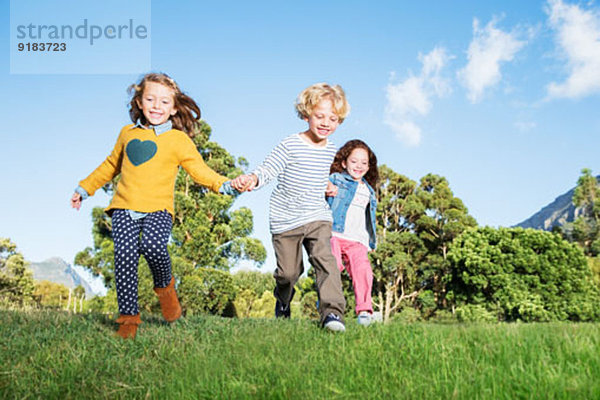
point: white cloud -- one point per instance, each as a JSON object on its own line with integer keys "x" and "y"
{"x": 490, "y": 47}
{"x": 433, "y": 63}
{"x": 408, "y": 97}
{"x": 578, "y": 37}
{"x": 412, "y": 97}
{"x": 407, "y": 132}
{"x": 525, "y": 126}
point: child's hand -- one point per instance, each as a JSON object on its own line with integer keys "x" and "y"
{"x": 76, "y": 201}
{"x": 239, "y": 183}
{"x": 244, "y": 183}
{"x": 331, "y": 190}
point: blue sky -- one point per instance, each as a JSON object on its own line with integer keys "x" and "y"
{"x": 499, "y": 97}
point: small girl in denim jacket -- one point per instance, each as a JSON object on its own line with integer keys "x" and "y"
{"x": 354, "y": 173}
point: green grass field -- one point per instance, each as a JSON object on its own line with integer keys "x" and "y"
{"x": 54, "y": 355}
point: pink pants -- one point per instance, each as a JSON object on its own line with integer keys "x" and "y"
{"x": 353, "y": 256}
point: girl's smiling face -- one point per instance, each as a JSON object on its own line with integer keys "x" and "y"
{"x": 357, "y": 163}
{"x": 157, "y": 103}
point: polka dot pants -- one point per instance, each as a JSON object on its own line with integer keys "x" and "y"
{"x": 148, "y": 236}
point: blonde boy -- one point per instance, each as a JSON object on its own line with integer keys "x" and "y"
{"x": 299, "y": 215}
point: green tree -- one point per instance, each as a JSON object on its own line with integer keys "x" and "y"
{"x": 205, "y": 232}
{"x": 585, "y": 230}
{"x": 444, "y": 219}
{"x": 255, "y": 281}
{"x": 415, "y": 225}
{"x": 520, "y": 274}
{"x": 399, "y": 251}
{"x": 50, "y": 294}
{"x": 16, "y": 279}
{"x": 594, "y": 263}
{"x": 587, "y": 194}
{"x": 207, "y": 291}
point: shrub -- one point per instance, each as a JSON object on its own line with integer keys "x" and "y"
{"x": 408, "y": 315}
{"x": 525, "y": 274}
{"x": 475, "y": 313}
{"x": 264, "y": 307}
{"x": 255, "y": 281}
{"x": 206, "y": 291}
{"x": 309, "y": 305}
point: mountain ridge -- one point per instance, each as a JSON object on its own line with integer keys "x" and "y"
{"x": 57, "y": 270}
{"x": 557, "y": 213}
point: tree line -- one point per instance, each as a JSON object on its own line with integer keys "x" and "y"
{"x": 432, "y": 262}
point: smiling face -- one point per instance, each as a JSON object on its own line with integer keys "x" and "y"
{"x": 357, "y": 163}
{"x": 322, "y": 122}
{"x": 157, "y": 103}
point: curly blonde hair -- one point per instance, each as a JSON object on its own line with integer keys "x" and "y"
{"x": 312, "y": 95}
{"x": 188, "y": 112}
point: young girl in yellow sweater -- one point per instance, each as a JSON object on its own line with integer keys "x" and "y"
{"x": 147, "y": 155}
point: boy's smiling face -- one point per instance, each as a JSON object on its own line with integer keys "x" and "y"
{"x": 322, "y": 122}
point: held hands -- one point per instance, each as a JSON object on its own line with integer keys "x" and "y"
{"x": 331, "y": 190}
{"x": 245, "y": 183}
{"x": 76, "y": 201}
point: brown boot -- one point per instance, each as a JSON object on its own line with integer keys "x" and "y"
{"x": 128, "y": 326}
{"x": 169, "y": 304}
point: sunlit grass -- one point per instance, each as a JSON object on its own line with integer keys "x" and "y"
{"x": 57, "y": 355}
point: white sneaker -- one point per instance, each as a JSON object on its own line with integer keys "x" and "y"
{"x": 364, "y": 318}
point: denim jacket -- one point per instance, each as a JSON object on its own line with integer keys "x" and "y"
{"x": 339, "y": 204}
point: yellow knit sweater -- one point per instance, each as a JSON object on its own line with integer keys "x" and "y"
{"x": 148, "y": 165}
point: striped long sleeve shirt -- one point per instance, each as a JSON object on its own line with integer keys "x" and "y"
{"x": 302, "y": 172}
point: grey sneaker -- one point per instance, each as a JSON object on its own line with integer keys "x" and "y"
{"x": 364, "y": 318}
{"x": 334, "y": 323}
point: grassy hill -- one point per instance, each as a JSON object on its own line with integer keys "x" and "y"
{"x": 56, "y": 355}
